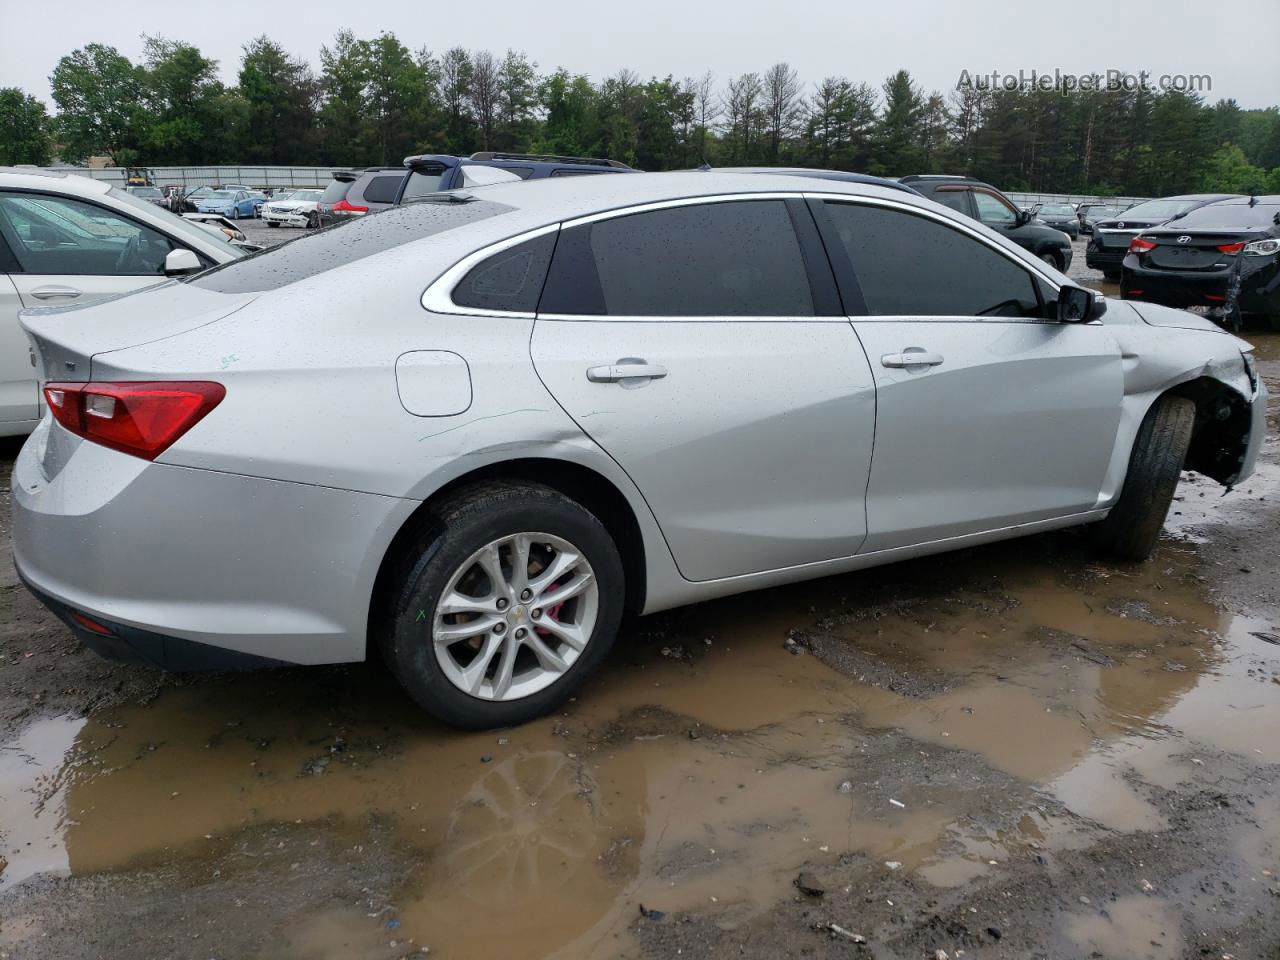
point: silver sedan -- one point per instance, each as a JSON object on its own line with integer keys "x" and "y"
{"x": 472, "y": 431}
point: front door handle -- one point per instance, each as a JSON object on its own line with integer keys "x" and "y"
{"x": 911, "y": 357}
{"x": 55, "y": 293}
{"x": 626, "y": 369}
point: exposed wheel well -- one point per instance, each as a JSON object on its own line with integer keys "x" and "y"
{"x": 577, "y": 482}
{"x": 1220, "y": 437}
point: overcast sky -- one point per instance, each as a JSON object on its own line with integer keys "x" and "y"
{"x": 1235, "y": 42}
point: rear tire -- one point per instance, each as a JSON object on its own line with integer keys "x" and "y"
{"x": 1111, "y": 276}
{"x": 442, "y": 563}
{"x": 1132, "y": 528}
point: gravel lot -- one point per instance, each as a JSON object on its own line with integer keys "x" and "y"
{"x": 1015, "y": 751}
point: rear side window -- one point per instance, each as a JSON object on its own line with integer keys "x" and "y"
{"x": 423, "y": 181}
{"x": 908, "y": 265}
{"x": 731, "y": 259}
{"x": 572, "y": 172}
{"x": 510, "y": 280}
{"x": 335, "y": 191}
{"x": 339, "y": 245}
{"x": 382, "y": 189}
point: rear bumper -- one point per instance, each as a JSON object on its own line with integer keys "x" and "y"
{"x": 1259, "y": 286}
{"x": 1100, "y": 258}
{"x": 171, "y": 558}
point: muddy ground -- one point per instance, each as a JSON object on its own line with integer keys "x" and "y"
{"x": 1017, "y": 751}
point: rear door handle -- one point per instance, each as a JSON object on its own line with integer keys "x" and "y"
{"x": 55, "y": 293}
{"x": 911, "y": 357}
{"x": 628, "y": 368}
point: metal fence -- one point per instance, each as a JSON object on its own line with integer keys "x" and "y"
{"x": 1075, "y": 199}
{"x": 213, "y": 176}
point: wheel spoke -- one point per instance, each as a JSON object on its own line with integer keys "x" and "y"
{"x": 562, "y": 593}
{"x": 447, "y": 633}
{"x": 491, "y": 564}
{"x": 570, "y": 633}
{"x": 473, "y": 675}
{"x": 549, "y": 659}
{"x": 456, "y": 602}
{"x": 565, "y": 560}
{"x": 520, "y": 545}
{"x": 506, "y": 667}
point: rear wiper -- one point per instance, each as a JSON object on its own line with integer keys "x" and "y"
{"x": 446, "y": 197}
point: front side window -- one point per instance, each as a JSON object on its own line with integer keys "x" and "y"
{"x": 991, "y": 209}
{"x": 729, "y": 259}
{"x": 909, "y": 265}
{"x": 62, "y": 236}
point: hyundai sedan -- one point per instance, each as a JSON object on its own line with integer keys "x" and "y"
{"x": 472, "y": 431}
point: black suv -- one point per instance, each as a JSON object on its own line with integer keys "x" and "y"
{"x": 354, "y": 193}
{"x": 985, "y": 203}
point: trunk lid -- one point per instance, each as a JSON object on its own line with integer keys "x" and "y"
{"x": 1193, "y": 251}
{"x": 67, "y": 338}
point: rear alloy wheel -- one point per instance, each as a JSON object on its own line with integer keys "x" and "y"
{"x": 511, "y": 602}
{"x": 1132, "y": 528}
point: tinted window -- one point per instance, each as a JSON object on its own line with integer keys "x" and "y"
{"x": 422, "y": 181}
{"x": 572, "y": 172}
{"x": 738, "y": 258}
{"x": 524, "y": 173}
{"x": 345, "y": 243}
{"x": 58, "y": 235}
{"x": 1233, "y": 215}
{"x": 510, "y": 280}
{"x": 382, "y": 189}
{"x": 992, "y": 209}
{"x": 335, "y": 191}
{"x": 908, "y": 265}
{"x": 955, "y": 199}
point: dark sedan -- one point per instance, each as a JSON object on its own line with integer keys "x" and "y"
{"x": 1224, "y": 255}
{"x": 1110, "y": 243}
{"x": 1060, "y": 216}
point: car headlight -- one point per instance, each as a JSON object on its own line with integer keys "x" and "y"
{"x": 1262, "y": 248}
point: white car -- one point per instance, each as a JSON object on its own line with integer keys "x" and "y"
{"x": 298, "y": 208}
{"x": 68, "y": 240}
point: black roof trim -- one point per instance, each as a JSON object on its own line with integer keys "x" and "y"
{"x": 490, "y": 155}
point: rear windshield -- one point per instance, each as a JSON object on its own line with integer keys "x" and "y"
{"x": 341, "y": 244}
{"x": 1058, "y": 210}
{"x": 336, "y": 190}
{"x": 1160, "y": 209}
{"x": 1233, "y": 215}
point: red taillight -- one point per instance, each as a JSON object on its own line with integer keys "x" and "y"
{"x": 1140, "y": 245}
{"x": 1216, "y": 297}
{"x": 343, "y": 207}
{"x": 1136, "y": 293}
{"x": 1231, "y": 248}
{"x": 93, "y": 626}
{"x": 141, "y": 419}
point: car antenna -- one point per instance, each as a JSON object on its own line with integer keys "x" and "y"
{"x": 705, "y": 166}
{"x": 1253, "y": 200}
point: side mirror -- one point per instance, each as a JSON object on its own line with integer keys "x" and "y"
{"x": 181, "y": 261}
{"x": 1023, "y": 217}
{"x": 1078, "y": 305}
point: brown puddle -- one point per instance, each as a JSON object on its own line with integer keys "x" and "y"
{"x": 702, "y": 779}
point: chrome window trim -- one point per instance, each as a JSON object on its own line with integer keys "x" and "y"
{"x": 438, "y": 297}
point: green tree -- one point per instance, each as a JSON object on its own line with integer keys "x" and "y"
{"x": 184, "y": 99}
{"x": 897, "y": 150}
{"x": 24, "y": 129}
{"x": 571, "y": 112}
{"x": 99, "y": 94}
{"x": 396, "y": 99}
{"x": 517, "y": 99}
{"x": 280, "y": 96}
{"x": 1229, "y": 171}
{"x": 344, "y": 129}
